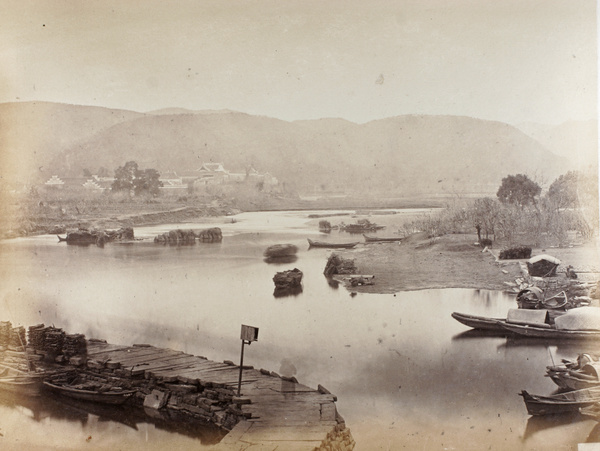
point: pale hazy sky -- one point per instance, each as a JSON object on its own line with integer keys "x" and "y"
{"x": 507, "y": 60}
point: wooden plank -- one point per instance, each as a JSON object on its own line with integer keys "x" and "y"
{"x": 116, "y": 353}
{"x": 164, "y": 364}
{"x": 193, "y": 372}
{"x": 94, "y": 350}
{"x": 144, "y": 351}
{"x": 147, "y": 358}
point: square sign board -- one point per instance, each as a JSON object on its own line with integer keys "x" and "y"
{"x": 249, "y": 333}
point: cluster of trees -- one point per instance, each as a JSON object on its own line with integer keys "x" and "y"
{"x": 131, "y": 179}
{"x": 520, "y": 211}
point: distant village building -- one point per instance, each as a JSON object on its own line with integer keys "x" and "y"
{"x": 94, "y": 184}
{"x": 209, "y": 174}
{"x": 172, "y": 182}
{"x": 55, "y": 182}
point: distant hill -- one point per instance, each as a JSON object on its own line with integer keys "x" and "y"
{"x": 394, "y": 156}
{"x": 576, "y": 140}
{"x": 32, "y": 134}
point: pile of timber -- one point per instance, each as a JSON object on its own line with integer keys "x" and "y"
{"x": 17, "y": 339}
{"x": 212, "y": 235}
{"x": 54, "y": 340}
{"x": 36, "y": 336}
{"x": 5, "y": 328}
{"x": 179, "y": 236}
{"x": 74, "y": 345}
{"x": 99, "y": 237}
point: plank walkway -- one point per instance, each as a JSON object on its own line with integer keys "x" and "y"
{"x": 285, "y": 414}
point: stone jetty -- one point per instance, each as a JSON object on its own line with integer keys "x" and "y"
{"x": 270, "y": 412}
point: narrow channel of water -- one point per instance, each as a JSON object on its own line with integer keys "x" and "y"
{"x": 406, "y": 374}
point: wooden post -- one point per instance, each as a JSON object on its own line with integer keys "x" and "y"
{"x": 241, "y": 368}
{"x": 248, "y": 334}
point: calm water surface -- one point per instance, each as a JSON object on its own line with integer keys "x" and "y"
{"x": 406, "y": 374}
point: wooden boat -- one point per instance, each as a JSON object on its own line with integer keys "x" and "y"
{"x": 20, "y": 382}
{"x": 375, "y": 239}
{"x": 584, "y": 373}
{"x": 112, "y": 396}
{"x": 479, "y": 322}
{"x": 548, "y": 331}
{"x": 570, "y": 401}
{"x": 592, "y": 411}
{"x": 312, "y": 243}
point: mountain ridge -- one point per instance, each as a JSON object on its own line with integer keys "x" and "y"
{"x": 407, "y": 153}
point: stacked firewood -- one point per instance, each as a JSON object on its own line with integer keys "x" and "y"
{"x": 36, "y": 336}
{"x": 210, "y": 235}
{"x": 54, "y": 339}
{"x": 75, "y": 344}
{"x": 5, "y": 328}
{"x": 18, "y": 338}
{"x": 179, "y": 236}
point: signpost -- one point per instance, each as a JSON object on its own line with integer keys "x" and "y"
{"x": 248, "y": 334}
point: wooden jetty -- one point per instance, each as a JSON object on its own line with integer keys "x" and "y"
{"x": 278, "y": 412}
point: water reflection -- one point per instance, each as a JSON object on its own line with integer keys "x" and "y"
{"x": 281, "y": 260}
{"x": 91, "y": 416}
{"x": 286, "y": 292}
{"x": 537, "y": 424}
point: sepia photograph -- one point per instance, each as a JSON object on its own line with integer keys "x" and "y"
{"x": 299, "y": 225}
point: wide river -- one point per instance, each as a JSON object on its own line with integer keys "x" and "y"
{"x": 407, "y": 375}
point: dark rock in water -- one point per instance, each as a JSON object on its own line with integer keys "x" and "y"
{"x": 338, "y": 265}
{"x": 288, "y": 279}
{"x": 280, "y": 250}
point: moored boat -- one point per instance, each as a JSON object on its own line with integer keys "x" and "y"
{"x": 376, "y": 239}
{"x": 312, "y": 243}
{"x": 584, "y": 373}
{"x": 19, "y": 382}
{"x": 114, "y": 395}
{"x": 541, "y": 331}
{"x": 479, "y": 322}
{"x": 570, "y": 401}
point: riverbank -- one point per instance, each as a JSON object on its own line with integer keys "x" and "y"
{"x": 36, "y": 215}
{"x": 454, "y": 261}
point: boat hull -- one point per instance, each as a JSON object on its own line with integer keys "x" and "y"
{"x": 479, "y": 322}
{"x": 550, "y": 332}
{"x": 21, "y": 385}
{"x": 114, "y": 398}
{"x": 374, "y": 239}
{"x": 560, "y": 403}
{"x": 312, "y": 243}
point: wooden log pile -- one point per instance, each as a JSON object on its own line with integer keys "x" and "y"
{"x": 75, "y": 345}
{"x": 5, "y": 328}
{"x": 36, "y": 336}
{"x": 17, "y": 339}
{"x": 54, "y": 340}
{"x": 179, "y": 236}
{"x": 98, "y": 237}
{"x": 212, "y": 235}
